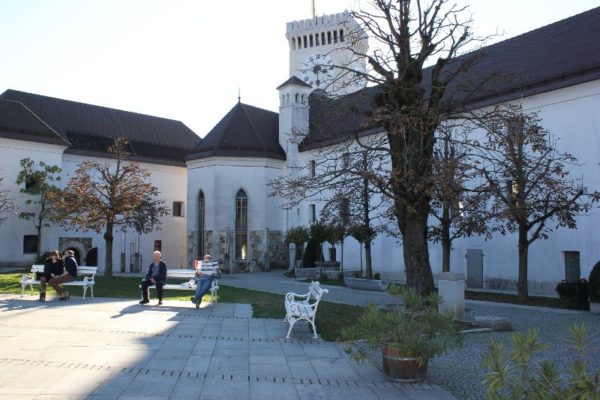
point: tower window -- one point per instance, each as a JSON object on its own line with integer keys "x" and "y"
{"x": 310, "y": 38}
{"x": 201, "y": 213}
{"x": 293, "y": 43}
{"x": 323, "y": 38}
{"x": 313, "y": 168}
{"x": 341, "y": 35}
{"x": 335, "y": 36}
{"x": 304, "y": 39}
{"x": 312, "y": 209}
{"x": 329, "y": 37}
{"x": 317, "y": 39}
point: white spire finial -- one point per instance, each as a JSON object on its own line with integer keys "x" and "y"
{"x": 313, "y": 8}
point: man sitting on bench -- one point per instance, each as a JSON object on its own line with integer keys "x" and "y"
{"x": 203, "y": 282}
{"x": 157, "y": 275}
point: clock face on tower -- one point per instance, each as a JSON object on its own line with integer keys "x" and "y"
{"x": 317, "y": 70}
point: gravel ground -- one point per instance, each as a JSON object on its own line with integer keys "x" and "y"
{"x": 461, "y": 371}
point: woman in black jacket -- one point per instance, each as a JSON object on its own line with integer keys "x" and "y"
{"x": 68, "y": 275}
{"x": 53, "y": 267}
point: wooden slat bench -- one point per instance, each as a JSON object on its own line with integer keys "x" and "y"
{"x": 303, "y": 307}
{"x": 208, "y": 267}
{"x": 87, "y": 273}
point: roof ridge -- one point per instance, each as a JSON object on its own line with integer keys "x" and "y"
{"x": 226, "y": 122}
{"x": 66, "y": 140}
{"x": 262, "y": 142}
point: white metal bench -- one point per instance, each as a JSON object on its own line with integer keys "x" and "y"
{"x": 88, "y": 281}
{"x": 208, "y": 267}
{"x": 303, "y": 306}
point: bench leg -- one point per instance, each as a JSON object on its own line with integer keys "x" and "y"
{"x": 84, "y": 290}
{"x": 312, "y": 322}
{"x": 292, "y": 321}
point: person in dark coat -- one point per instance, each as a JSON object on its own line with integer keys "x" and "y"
{"x": 157, "y": 275}
{"x": 53, "y": 267}
{"x": 69, "y": 274}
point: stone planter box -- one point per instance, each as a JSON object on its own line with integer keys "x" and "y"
{"x": 375, "y": 285}
{"x": 595, "y": 308}
{"x": 306, "y": 272}
{"x": 330, "y": 269}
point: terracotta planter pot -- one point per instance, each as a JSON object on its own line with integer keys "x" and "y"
{"x": 398, "y": 368}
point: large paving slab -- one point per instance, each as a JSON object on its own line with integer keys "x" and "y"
{"x": 116, "y": 349}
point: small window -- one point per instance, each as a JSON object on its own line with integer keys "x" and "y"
{"x": 313, "y": 213}
{"x": 310, "y": 38}
{"x": 31, "y": 182}
{"x": 313, "y": 168}
{"x": 341, "y": 35}
{"x": 30, "y": 243}
{"x": 158, "y": 245}
{"x": 317, "y": 39}
{"x": 305, "y": 40}
{"x": 572, "y": 266}
{"x": 178, "y": 208}
{"x": 323, "y": 38}
{"x": 329, "y": 37}
{"x": 345, "y": 160}
{"x": 293, "y": 43}
{"x": 335, "y": 36}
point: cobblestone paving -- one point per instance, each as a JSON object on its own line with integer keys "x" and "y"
{"x": 461, "y": 371}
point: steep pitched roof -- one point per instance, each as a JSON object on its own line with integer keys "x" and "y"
{"x": 294, "y": 80}
{"x": 245, "y": 131}
{"x": 90, "y": 128}
{"x": 19, "y": 122}
{"x": 558, "y": 55}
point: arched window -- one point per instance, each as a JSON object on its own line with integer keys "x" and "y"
{"x": 241, "y": 226}
{"x": 201, "y": 212}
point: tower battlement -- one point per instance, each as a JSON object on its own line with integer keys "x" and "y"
{"x": 320, "y": 23}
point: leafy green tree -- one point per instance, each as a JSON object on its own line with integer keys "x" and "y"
{"x": 110, "y": 195}
{"x": 39, "y": 181}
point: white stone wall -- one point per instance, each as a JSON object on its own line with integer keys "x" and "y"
{"x": 171, "y": 182}
{"x": 13, "y": 229}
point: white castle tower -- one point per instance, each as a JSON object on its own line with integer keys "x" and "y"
{"x": 324, "y": 50}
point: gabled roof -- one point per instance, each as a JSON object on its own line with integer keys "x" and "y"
{"x": 558, "y": 55}
{"x": 90, "y": 128}
{"x": 294, "y": 80}
{"x": 245, "y": 131}
{"x": 18, "y": 122}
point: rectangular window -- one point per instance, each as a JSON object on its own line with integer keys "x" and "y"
{"x": 317, "y": 39}
{"x": 345, "y": 211}
{"x": 329, "y": 37}
{"x": 341, "y": 35}
{"x": 310, "y": 38}
{"x": 178, "y": 208}
{"x": 572, "y": 266}
{"x": 313, "y": 168}
{"x": 158, "y": 245}
{"x": 323, "y": 38}
{"x": 335, "y": 37}
{"x": 305, "y": 41}
{"x": 30, "y": 243}
{"x": 31, "y": 182}
{"x": 345, "y": 160}
{"x": 313, "y": 213}
{"x": 241, "y": 226}
{"x": 293, "y": 43}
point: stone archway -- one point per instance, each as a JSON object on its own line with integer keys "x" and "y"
{"x": 81, "y": 246}
{"x": 91, "y": 259}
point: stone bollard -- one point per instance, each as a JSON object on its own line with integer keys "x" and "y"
{"x": 451, "y": 286}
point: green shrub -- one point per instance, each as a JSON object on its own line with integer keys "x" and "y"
{"x": 575, "y": 294}
{"x": 594, "y": 284}
{"x": 518, "y": 376}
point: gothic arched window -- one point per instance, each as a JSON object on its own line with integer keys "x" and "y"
{"x": 241, "y": 225}
{"x": 201, "y": 227}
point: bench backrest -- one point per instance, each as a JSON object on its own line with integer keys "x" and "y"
{"x": 180, "y": 273}
{"x": 82, "y": 270}
{"x": 316, "y": 291}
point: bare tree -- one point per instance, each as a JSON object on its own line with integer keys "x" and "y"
{"x": 412, "y": 102}
{"x": 6, "y": 205}
{"x": 459, "y": 199}
{"x": 533, "y": 192}
{"x": 37, "y": 183}
{"x": 110, "y": 195}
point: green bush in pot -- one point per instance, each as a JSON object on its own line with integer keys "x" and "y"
{"x": 409, "y": 334}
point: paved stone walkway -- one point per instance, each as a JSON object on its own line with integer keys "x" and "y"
{"x": 116, "y": 349}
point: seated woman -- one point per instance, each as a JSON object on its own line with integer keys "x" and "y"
{"x": 53, "y": 267}
{"x": 69, "y": 274}
{"x": 203, "y": 282}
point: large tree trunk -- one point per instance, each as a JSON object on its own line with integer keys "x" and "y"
{"x": 368, "y": 267}
{"x": 416, "y": 253}
{"x": 108, "y": 238}
{"x": 523, "y": 252}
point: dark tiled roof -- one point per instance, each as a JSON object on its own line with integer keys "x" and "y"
{"x": 18, "y": 122}
{"x": 90, "y": 129}
{"x": 294, "y": 80}
{"x": 245, "y": 131}
{"x": 558, "y": 55}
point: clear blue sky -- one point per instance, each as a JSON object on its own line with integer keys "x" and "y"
{"x": 186, "y": 59}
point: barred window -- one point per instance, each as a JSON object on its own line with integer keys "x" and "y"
{"x": 241, "y": 225}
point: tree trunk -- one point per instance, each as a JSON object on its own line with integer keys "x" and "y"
{"x": 368, "y": 268}
{"x": 523, "y": 252}
{"x": 108, "y": 239}
{"x": 416, "y": 253}
{"x": 38, "y": 248}
{"x": 446, "y": 241}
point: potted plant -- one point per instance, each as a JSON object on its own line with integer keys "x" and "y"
{"x": 408, "y": 334}
{"x": 297, "y": 235}
{"x": 594, "y": 288}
